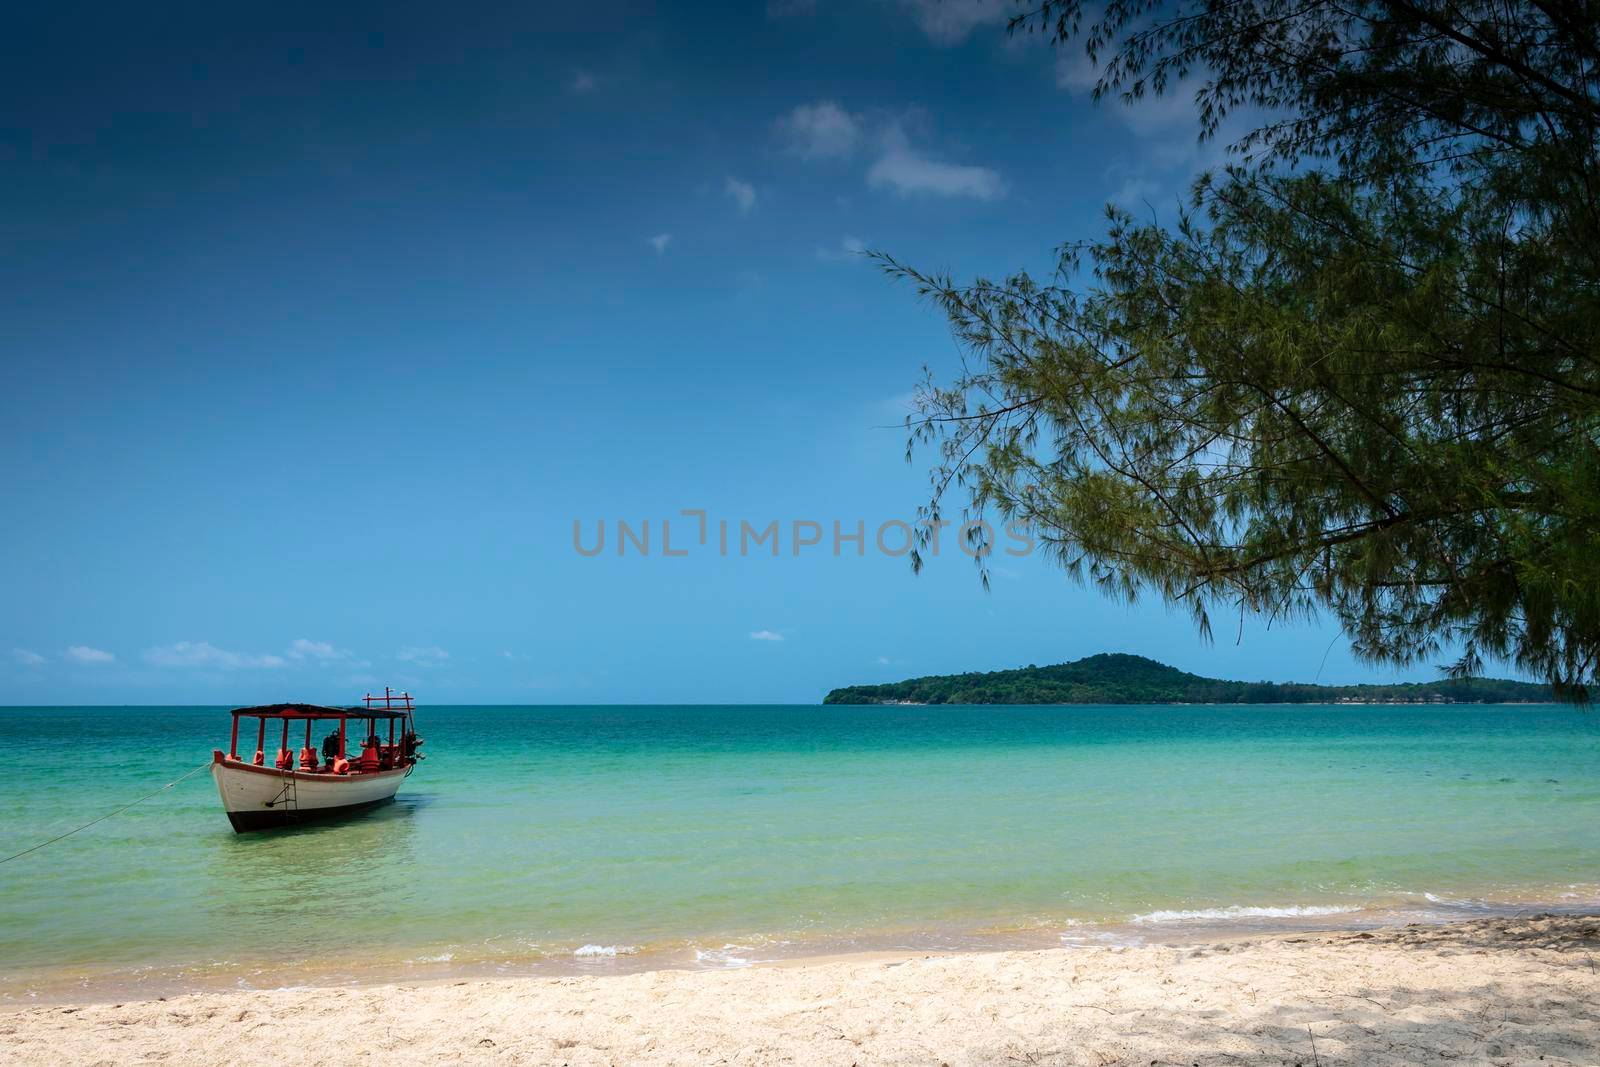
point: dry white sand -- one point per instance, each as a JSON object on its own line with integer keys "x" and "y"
{"x": 1490, "y": 991}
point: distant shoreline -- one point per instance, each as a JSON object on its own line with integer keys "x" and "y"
{"x": 1202, "y": 704}
{"x": 1118, "y": 678}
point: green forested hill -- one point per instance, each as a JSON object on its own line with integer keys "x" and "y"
{"x": 1121, "y": 679}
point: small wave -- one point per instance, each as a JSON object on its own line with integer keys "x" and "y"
{"x": 443, "y": 957}
{"x": 1102, "y": 939}
{"x": 605, "y": 950}
{"x": 1469, "y": 905}
{"x": 722, "y": 957}
{"x": 1241, "y": 912}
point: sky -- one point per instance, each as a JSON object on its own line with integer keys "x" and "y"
{"x": 323, "y": 326}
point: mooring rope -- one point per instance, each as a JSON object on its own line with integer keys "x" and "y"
{"x": 107, "y": 815}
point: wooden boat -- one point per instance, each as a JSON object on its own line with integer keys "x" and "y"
{"x": 343, "y": 776}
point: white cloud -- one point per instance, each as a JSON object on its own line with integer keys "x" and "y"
{"x": 948, "y": 22}
{"x": 826, "y": 130}
{"x": 660, "y": 242}
{"x": 1075, "y": 71}
{"x": 901, "y": 404}
{"x": 1173, "y": 117}
{"x": 765, "y": 635}
{"x": 301, "y": 648}
{"x": 85, "y": 654}
{"x": 823, "y": 130}
{"x": 1167, "y": 126}
{"x": 883, "y": 661}
{"x": 583, "y": 82}
{"x": 909, "y": 173}
{"x": 1136, "y": 191}
{"x": 205, "y": 654}
{"x": 850, "y": 248}
{"x": 27, "y": 657}
{"x": 1168, "y": 154}
{"x": 422, "y": 656}
{"x": 743, "y": 193}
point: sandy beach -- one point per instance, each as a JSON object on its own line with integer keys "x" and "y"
{"x": 1521, "y": 990}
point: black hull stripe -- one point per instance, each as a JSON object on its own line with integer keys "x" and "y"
{"x": 245, "y": 821}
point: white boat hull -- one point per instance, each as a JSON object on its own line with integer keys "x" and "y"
{"x": 256, "y": 798}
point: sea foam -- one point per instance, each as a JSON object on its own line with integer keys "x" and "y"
{"x": 605, "y": 950}
{"x": 1239, "y": 911}
{"x": 726, "y": 956}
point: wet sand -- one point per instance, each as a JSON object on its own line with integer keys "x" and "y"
{"x": 1486, "y": 991}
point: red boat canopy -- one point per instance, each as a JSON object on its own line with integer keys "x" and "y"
{"x": 394, "y": 708}
{"x": 317, "y": 711}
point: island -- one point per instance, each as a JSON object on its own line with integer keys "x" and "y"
{"x": 1117, "y": 678}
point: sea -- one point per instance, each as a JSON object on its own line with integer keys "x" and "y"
{"x": 593, "y": 840}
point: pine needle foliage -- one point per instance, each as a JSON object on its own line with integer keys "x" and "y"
{"x": 1359, "y": 370}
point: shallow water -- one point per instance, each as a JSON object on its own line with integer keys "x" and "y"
{"x": 605, "y": 838}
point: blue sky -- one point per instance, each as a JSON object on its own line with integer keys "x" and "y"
{"x": 323, "y": 325}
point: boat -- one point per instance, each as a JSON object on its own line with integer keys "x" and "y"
{"x": 343, "y": 776}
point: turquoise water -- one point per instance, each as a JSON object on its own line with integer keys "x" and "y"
{"x": 615, "y": 837}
